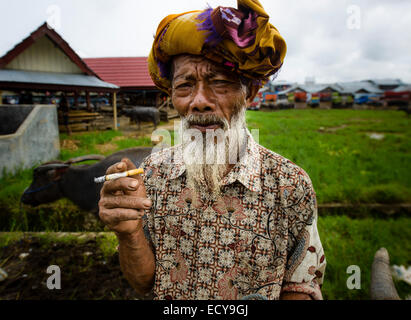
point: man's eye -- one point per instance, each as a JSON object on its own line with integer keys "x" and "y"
{"x": 183, "y": 86}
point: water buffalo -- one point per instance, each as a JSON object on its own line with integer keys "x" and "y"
{"x": 139, "y": 114}
{"x": 56, "y": 180}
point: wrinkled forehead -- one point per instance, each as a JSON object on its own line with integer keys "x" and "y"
{"x": 188, "y": 65}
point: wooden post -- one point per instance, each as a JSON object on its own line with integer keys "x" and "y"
{"x": 75, "y": 104}
{"x": 88, "y": 101}
{"x": 115, "y": 110}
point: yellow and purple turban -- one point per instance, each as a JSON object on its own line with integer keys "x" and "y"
{"x": 241, "y": 39}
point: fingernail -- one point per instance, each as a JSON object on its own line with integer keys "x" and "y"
{"x": 120, "y": 166}
{"x": 147, "y": 203}
{"x": 133, "y": 184}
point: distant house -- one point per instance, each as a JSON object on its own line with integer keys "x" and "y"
{"x": 400, "y": 96}
{"x": 131, "y": 75}
{"x": 403, "y": 88}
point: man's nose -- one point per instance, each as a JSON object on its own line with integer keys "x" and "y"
{"x": 202, "y": 101}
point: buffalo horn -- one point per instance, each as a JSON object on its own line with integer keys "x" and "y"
{"x": 50, "y": 166}
{"x": 85, "y": 158}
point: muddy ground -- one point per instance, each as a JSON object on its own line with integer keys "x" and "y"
{"x": 86, "y": 272}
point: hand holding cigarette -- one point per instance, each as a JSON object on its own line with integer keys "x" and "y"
{"x": 115, "y": 176}
{"x": 123, "y": 198}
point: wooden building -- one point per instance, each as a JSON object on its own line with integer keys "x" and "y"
{"x": 44, "y": 65}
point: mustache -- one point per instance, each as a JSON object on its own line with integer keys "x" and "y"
{"x": 207, "y": 120}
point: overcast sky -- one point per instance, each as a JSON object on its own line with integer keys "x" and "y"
{"x": 331, "y": 40}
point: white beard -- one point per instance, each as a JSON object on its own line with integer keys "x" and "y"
{"x": 206, "y": 162}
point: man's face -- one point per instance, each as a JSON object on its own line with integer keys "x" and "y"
{"x": 211, "y": 100}
{"x": 200, "y": 87}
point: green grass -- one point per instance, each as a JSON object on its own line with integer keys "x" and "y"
{"x": 61, "y": 215}
{"x": 354, "y": 242}
{"x": 87, "y": 143}
{"x": 108, "y": 243}
{"x": 344, "y": 163}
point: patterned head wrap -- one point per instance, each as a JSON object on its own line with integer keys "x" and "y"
{"x": 240, "y": 39}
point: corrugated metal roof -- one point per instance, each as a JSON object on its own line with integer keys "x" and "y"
{"x": 124, "y": 72}
{"x": 386, "y": 82}
{"x": 310, "y": 88}
{"x": 78, "y": 80}
{"x": 356, "y": 86}
{"x": 403, "y": 88}
{"x": 341, "y": 87}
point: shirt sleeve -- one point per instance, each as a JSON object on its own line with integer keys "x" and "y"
{"x": 304, "y": 272}
{"x": 154, "y": 183}
{"x": 151, "y": 194}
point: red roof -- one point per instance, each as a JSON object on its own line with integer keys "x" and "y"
{"x": 123, "y": 72}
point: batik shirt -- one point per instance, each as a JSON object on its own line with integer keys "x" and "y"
{"x": 256, "y": 240}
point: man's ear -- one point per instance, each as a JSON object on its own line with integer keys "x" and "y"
{"x": 252, "y": 92}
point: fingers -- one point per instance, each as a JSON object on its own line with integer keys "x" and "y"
{"x": 125, "y": 185}
{"x": 122, "y": 199}
{"x": 117, "y": 167}
{"x": 129, "y": 163}
{"x": 131, "y": 166}
{"x": 127, "y": 202}
{"x": 114, "y": 216}
{"x": 122, "y": 184}
{"x": 124, "y": 165}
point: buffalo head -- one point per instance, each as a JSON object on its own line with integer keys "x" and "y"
{"x": 44, "y": 187}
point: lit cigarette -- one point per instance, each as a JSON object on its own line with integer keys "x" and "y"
{"x": 115, "y": 176}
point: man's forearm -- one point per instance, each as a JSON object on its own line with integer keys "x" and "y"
{"x": 137, "y": 261}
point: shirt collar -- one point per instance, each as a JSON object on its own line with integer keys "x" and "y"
{"x": 247, "y": 170}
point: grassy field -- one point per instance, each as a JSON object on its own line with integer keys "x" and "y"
{"x": 335, "y": 148}
{"x": 349, "y": 241}
{"x": 345, "y": 164}
{"x": 351, "y": 156}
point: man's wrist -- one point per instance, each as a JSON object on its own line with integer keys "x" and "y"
{"x": 131, "y": 239}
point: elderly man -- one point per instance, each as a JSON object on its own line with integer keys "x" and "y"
{"x": 217, "y": 216}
